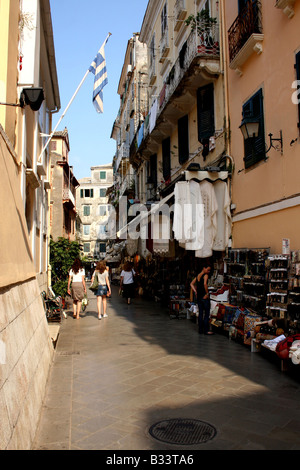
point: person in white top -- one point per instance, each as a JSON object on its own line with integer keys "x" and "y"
{"x": 127, "y": 282}
{"x": 77, "y": 278}
{"x": 103, "y": 288}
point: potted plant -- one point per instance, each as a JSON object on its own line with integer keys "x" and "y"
{"x": 204, "y": 23}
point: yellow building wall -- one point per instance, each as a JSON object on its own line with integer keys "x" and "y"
{"x": 277, "y": 178}
{"x": 269, "y": 230}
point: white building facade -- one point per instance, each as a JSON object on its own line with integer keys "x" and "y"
{"x": 93, "y": 210}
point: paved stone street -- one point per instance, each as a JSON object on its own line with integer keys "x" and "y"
{"x": 113, "y": 379}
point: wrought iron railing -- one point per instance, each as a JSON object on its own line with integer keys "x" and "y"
{"x": 248, "y": 22}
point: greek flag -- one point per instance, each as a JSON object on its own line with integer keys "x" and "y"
{"x": 98, "y": 68}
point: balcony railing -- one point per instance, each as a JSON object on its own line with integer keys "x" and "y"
{"x": 248, "y": 22}
{"x": 123, "y": 152}
{"x": 126, "y": 184}
{"x": 204, "y": 46}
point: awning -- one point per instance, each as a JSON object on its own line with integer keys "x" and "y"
{"x": 206, "y": 175}
{"x": 142, "y": 216}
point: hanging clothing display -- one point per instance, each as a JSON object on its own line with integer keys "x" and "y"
{"x": 210, "y": 219}
{"x": 223, "y": 216}
{"x": 197, "y": 208}
{"x": 182, "y": 226}
{"x": 161, "y": 233}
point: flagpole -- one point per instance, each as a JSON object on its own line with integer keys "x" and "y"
{"x": 69, "y": 104}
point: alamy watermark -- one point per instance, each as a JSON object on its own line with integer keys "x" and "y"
{"x": 296, "y": 94}
{"x": 156, "y": 221}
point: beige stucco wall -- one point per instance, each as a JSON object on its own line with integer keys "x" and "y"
{"x": 26, "y": 348}
{"x": 277, "y": 178}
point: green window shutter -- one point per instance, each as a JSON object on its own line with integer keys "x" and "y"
{"x": 255, "y": 149}
{"x": 153, "y": 169}
{"x": 206, "y": 112}
{"x": 86, "y": 210}
{"x": 92, "y": 193}
{"x": 81, "y": 193}
{"x": 166, "y": 156}
{"x": 183, "y": 139}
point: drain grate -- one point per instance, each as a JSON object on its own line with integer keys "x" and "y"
{"x": 182, "y": 431}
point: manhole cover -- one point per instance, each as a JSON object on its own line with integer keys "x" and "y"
{"x": 182, "y": 431}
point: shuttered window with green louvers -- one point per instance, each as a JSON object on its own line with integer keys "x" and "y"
{"x": 206, "y": 112}
{"x": 255, "y": 148}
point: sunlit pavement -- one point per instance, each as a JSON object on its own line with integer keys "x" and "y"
{"x": 112, "y": 379}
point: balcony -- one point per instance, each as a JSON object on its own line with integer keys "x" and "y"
{"x": 123, "y": 153}
{"x": 68, "y": 197}
{"x": 245, "y": 35}
{"x": 127, "y": 185}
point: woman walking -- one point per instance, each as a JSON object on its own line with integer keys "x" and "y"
{"x": 203, "y": 300}
{"x": 103, "y": 288}
{"x": 77, "y": 277}
{"x": 127, "y": 281}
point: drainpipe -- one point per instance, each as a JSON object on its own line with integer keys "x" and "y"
{"x": 23, "y": 159}
{"x": 35, "y": 208}
{"x": 224, "y": 66}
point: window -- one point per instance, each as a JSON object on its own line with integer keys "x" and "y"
{"x": 102, "y": 210}
{"x": 183, "y": 139}
{"x": 164, "y": 19}
{"x": 86, "y": 193}
{"x": 297, "y": 67}
{"x": 166, "y": 158}
{"x": 103, "y": 175}
{"x": 102, "y": 192}
{"x": 86, "y": 210}
{"x": 255, "y": 148}
{"x": 152, "y": 51}
{"x": 86, "y": 229}
{"x": 152, "y": 170}
{"x": 86, "y": 247}
{"x": 102, "y": 247}
{"x": 206, "y": 112}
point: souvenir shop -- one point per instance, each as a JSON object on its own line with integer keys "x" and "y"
{"x": 255, "y": 294}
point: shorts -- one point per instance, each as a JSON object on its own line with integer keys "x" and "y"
{"x": 102, "y": 290}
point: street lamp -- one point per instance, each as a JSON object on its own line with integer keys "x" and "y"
{"x": 249, "y": 128}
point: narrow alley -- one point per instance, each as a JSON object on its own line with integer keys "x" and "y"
{"x": 113, "y": 380}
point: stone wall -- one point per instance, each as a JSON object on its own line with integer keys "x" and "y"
{"x": 25, "y": 358}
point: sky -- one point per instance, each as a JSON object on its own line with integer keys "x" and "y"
{"x": 79, "y": 29}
